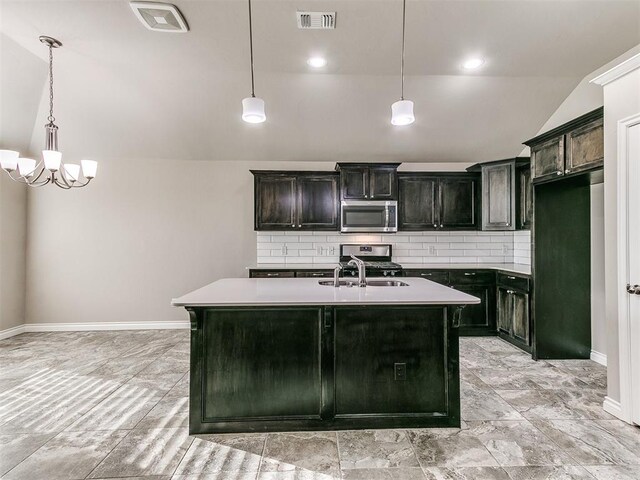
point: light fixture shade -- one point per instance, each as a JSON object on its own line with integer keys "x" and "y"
{"x": 9, "y": 160}
{"x": 89, "y": 168}
{"x": 402, "y": 113}
{"x": 253, "y": 110}
{"x": 72, "y": 170}
{"x": 26, "y": 166}
{"x": 52, "y": 160}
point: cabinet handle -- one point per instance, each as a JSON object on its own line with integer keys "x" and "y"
{"x": 317, "y": 274}
{"x": 435, "y": 225}
{"x": 426, "y": 274}
{"x": 511, "y": 278}
{"x": 566, "y": 171}
{"x": 558, "y": 173}
{"x": 299, "y": 226}
{"x": 272, "y": 274}
{"x": 441, "y": 225}
{"x": 507, "y": 224}
{"x": 469, "y": 274}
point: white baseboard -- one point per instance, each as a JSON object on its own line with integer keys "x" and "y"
{"x": 89, "y": 326}
{"x": 10, "y": 332}
{"x": 613, "y": 407}
{"x": 598, "y": 357}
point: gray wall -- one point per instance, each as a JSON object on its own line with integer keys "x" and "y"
{"x": 13, "y": 208}
{"x": 598, "y": 323}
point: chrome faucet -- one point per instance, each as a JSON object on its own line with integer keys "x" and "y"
{"x": 362, "y": 278}
{"x": 336, "y": 276}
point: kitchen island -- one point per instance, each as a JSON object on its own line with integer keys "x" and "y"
{"x": 292, "y": 354}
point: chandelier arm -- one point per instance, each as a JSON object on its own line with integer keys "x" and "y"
{"x": 64, "y": 186}
{"x": 30, "y": 183}
{"x": 62, "y": 176}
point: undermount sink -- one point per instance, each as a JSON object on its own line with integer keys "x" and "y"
{"x": 370, "y": 283}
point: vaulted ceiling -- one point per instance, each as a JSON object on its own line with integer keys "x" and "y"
{"x": 123, "y": 91}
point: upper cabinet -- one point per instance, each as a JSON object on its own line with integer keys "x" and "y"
{"x": 572, "y": 148}
{"x": 504, "y": 189}
{"x": 296, "y": 200}
{"x": 430, "y": 201}
{"x": 498, "y": 196}
{"x": 363, "y": 181}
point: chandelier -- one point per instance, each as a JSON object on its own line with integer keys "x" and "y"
{"x": 51, "y": 169}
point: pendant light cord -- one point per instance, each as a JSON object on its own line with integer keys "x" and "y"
{"x": 404, "y": 6}
{"x": 251, "y": 51}
{"x": 51, "y": 118}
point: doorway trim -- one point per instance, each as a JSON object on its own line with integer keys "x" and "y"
{"x": 624, "y": 408}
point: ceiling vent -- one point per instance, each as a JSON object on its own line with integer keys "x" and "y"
{"x": 160, "y": 17}
{"x": 317, "y": 20}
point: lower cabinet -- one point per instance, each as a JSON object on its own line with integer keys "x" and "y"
{"x": 513, "y": 312}
{"x": 475, "y": 320}
{"x": 269, "y": 273}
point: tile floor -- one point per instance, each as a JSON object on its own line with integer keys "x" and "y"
{"x": 114, "y": 405}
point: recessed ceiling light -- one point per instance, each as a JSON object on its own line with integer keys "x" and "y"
{"x": 473, "y": 63}
{"x": 317, "y": 62}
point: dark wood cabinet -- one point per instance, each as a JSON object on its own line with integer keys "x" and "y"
{"x": 437, "y": 201}
{"x": 398, "y": 365}
{"x": 572, "y": 148}
{"x": 474, "y": 319}
{"x": 246, "y": 351}
{"x": 513, "y": 312}
{"x": 271, "y": 274}
{"x": 296, "y": 200}
{"x": 525, "y": 198}
{"x": 585, "y": 147}
{"x": 498, "y": 196}
{"x": 275, "y": 202}
{"x": 360, "y": 181}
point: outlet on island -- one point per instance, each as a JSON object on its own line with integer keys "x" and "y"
{"x": 400, "y": 371}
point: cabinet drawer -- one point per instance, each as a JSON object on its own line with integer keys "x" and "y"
{"x": 314, "y": 273}
{"x": 438, "y": 276}
{"x": 513, "y": 281}
{"x": 271, "y": 274}
{"x": 467, "y": 277}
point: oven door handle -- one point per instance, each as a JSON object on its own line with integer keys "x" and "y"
{"x": 386, "y": 216}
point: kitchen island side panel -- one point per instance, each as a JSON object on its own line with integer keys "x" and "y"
{"x": 276, "y": 368}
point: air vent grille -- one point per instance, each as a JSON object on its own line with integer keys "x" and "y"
{"x": 317, "y": 20}
{"x": 160, "y": 17}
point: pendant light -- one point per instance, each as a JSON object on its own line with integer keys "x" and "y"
{"x": 402, "y": 110}
{"x": 50, "y": 169}
{"x": 252, "y": 107}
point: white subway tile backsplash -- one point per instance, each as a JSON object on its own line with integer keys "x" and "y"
{"x": 408, "y": 247}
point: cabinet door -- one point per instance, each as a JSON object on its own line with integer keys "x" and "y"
{"x": 525, "y": 207}
{"x": 383, "y": 183}
{"x": 275, "y": 202}
{"x": 457, "y": 203}
{"x": 585, "y": 148}
{"x": 252, "y": 366}
{"x": 505, "y": 311}
{"x": 318, "y": 202}
{"x": 369, "y": 346}
{"x": 498, "y": 197}
{"x": 438, "y": 276}
{"x": 520, "y": 312}
{"x": 314, "y": 273}
{"x": 417, "y": 203}
{"x": 354, "y": 183}
{"x": 547, "y": 159}
{"x": 478, "y": 319}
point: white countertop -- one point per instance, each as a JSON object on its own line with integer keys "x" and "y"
{"x": 307, "y": 291}
{"x": 506, "y": 267}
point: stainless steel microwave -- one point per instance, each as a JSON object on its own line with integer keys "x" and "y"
{"x": 369, "y": 216}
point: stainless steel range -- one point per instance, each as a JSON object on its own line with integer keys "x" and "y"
{"x": 376, "y": 257}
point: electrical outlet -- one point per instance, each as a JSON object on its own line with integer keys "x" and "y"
{"x": 331, "y": 251}
{"x": 505, "y": 248}
{"x": 400, "y": 371}
{"x": 318, "y": 250}
{"x": 283, "y": 250}
{"x": 432, "y": 249}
